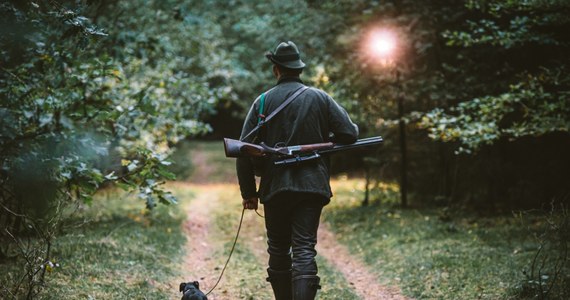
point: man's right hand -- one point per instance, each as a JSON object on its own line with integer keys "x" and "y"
{"x": 250, "y": 203}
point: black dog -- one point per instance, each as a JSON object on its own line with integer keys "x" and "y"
{"x": 191, "y": 291}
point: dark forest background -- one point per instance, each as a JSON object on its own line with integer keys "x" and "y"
{"x": 96, "y": 93}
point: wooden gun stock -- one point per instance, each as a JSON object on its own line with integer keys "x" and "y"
{"x": 235, "y": 148}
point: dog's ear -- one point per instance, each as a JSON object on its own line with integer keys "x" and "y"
{"x": 196, "y": 284}
{"x": 182, "y": 286}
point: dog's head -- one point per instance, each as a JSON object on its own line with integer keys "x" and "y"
{"x": 185, "y": 286}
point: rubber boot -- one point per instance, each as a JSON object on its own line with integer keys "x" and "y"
{"x": 305, "y": 287}
{"x": 280, "y": 283}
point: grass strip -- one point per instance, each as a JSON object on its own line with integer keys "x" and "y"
{"x": 245, "y": 275}
{"x": 122, "y": 252}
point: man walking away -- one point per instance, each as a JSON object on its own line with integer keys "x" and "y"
{"x": 293, "y": 195}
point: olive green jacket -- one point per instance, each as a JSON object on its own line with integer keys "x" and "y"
{"x": 313, "y": 117}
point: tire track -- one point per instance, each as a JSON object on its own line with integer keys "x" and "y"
{"x": 364, "y": 282}
{"x": 199, "y": 263}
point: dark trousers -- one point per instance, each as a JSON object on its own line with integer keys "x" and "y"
{"x": 292, "y": 221}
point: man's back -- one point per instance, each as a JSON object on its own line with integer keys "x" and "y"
{"x": 293, "y": 195}
{"x": 310, "y": 118}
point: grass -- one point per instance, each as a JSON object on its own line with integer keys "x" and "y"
{"x": 120, "y": 253}
{"x": 245, "y": 275}
{"x": 334, "y": 285}
{"x": 430, "y": 254}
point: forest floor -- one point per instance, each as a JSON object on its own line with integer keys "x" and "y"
{"x": 113, "y": 249}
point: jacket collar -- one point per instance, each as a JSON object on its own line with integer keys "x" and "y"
{"x": 284, "y": 79}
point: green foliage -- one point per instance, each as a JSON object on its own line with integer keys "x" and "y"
{"x": 528, "y": 109}
{"x": 531, "y": 76}
{"x": 97, "y": 104}
{"x": 84, "y": 107}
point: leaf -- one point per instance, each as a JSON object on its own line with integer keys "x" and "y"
{"x": 111, "y": 176}
{"x": 165, "y": 162}
{"x": 168, "y": 198}
{"x": 132, "y": 166}
{"x": 125, "y": 186}
{"x": 166, "y": 174}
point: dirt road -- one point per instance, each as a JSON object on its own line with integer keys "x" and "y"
{"x": 202, "y": 243}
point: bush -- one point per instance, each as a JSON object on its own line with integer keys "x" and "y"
{"x": 548, "y": 273}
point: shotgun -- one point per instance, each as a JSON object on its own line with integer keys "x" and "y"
{"x": 292, "y": 154}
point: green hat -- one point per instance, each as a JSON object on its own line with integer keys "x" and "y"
{"x": 286, "y": 55}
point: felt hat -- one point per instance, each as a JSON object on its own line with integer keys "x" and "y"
{"x": 286, "y": 55}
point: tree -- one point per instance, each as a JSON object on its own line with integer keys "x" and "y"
{"x": 84, "y": 106}
{"x": 511, "y": 117}
{"x": 523, "y": 47}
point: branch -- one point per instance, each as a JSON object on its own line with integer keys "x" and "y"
{"x": 13, "y": 75}
{"x": 12, "y": 212}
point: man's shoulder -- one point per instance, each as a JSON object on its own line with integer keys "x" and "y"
{"x": 318, "y": 91}
{"x": 290, "y": 87}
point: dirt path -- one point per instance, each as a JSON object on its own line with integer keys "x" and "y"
{"x": 200, "y": 245}
{"x": 203, "y": 170}
{"x": 206, "y": 270}
{"x": 362, "y": 280}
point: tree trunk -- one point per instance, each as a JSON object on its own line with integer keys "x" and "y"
{"x": 403, "y": 153}
{"x": 367, "y": 186}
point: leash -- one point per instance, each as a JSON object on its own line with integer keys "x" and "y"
{"x": 231, "y": 252}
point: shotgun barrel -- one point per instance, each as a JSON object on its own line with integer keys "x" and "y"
{"x": 371, "y": 141}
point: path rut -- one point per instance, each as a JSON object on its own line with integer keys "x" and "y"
{"x": 200, "y": 245}
{"x": 363, "y": 281}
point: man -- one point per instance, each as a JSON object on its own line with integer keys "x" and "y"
{"x": 293, "y": 195}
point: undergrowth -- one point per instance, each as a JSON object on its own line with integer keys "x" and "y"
{"x": 547, "y": 275}
{"x": 114, "y": 250}
{"x": 434, "y": 254}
